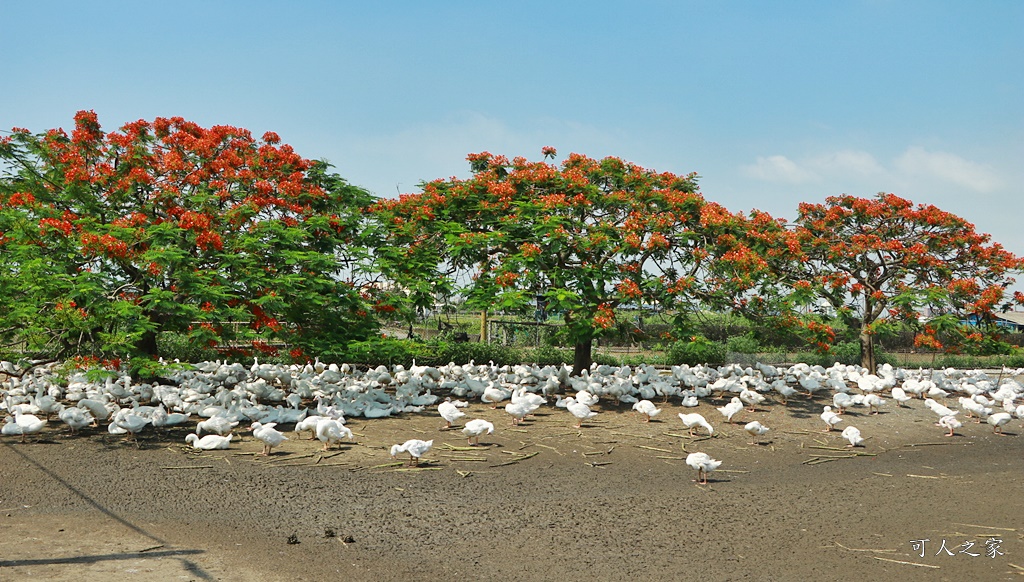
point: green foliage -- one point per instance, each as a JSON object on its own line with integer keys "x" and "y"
{"x": 145, "y": 368}
{"x": 110, "y": 238}
{"x": 583, "y": 237}
{"x": 390, "y": 352}
{"x": 698, "y": 350}
{"x": 178, "y": 346}
{"x": 744, "y": 344}
{"x": 548, "y": 356}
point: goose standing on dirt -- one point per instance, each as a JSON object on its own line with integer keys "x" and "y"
{"x": 950, "y": 422}
{"x": 415, "y": 447}
{"x": 852, "y": 434}
{"x": 76, "y": 418}
{"x": 704, "y": 464}
{"x": 784, "y": 390}
{"x": 841, "y": 401}
{"x": 751, "y": 398}
{"x": 209, "y": 442}
{"x": 873, "y": 401}
{"x": 830, "y": 418}
{"x": 693, "y": 420}
{"x": 579, "y": 410}
{"x": 730, "y": 410}
{"x": 647, "y": 409}
{"x": 755, "y": 429}
{"x": 270, "y": 436}
{"x": 900, "y": 396}
{"x": 23, "y": 424}
{"x": 449, "y": 412}
{"x": 331, "y": 431}
{"x": 997, "y": 421}
{"x": 475, "y": 428}
{"x": 309, "y": 423}
{"x": 938, "y": 408}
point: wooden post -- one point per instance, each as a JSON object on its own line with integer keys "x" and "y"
{"x": 483, "y": 326}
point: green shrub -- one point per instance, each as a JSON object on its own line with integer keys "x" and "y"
{"x": 699, "y": 350}
{"x": 178, "y": 346}
{"x": 743, "y": 344}
{"x": 548, "y": 356}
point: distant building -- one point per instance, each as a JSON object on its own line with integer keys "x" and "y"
{"x": 1009, "y": 320}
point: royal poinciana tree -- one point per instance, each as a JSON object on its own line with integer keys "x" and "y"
{"x": 109, "y": 238}
{"x": 881, "y": 260}
{"x": 585, "y": 237}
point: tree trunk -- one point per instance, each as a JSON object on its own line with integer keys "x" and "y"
{"x": 147, "y": 343}
{"x": 582, "y": 357}
{"x": 867, "y": 350}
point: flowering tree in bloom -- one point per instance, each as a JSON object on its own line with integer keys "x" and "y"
{"x": 586, "y": 236}
{"x": 877, "y": 260}
{"x": 109, "y": 238}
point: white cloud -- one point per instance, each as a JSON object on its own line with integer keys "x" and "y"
{"x": 914, "y": 170}
{"x": 852, "y": 163}
{"x": 778, "y": 169}
{"x": 918, "y": 163}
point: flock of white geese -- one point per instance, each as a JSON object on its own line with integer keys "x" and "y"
{"x": 317, "y": 397}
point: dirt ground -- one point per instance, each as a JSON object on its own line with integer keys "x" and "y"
{"x": 541, "y": 501}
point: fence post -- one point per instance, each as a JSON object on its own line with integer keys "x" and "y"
{"x": 483, "y": 326}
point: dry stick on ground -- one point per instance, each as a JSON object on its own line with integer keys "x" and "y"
{"x": 985, "y": 526}
{"x": 652, "y": 448}
{"x": 907, "y": 563}
{"x": 398, "y": 464}
{"x": 942, "y": 443}
{"x": 523, "y": 458}
{"x": 449, "y": 447}
{"x": 192, "y": 467}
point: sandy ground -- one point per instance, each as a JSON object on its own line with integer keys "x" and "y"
{"x": 541, "y": 501}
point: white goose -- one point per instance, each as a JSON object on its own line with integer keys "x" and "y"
{"x": 309, "y": 423}
{"x": 693, "y": 420}
{"x": 23, "y": 424}
{"x": 475, "y": 428}
{"x": 900, "y": 396}
{"x": 331, "y": 431}
{"x": 579, "y": 410}
{"x": 830, "y": 418}
{"x": 518, "y": 411}
{"x": 209, "y": 442}
{"x": 730, "y": 410}
{"x": 751, "y": 398}
{"x": 997, "y": 421}
{"x": 76, "y": 418}
{"x": 950, "y": 422}
{"x": 449, "y": 412}
{"x": 270, "y": 436}
{"x": 852, "y": 434}
{"x": 415, "y": 447}
{"x": 755, "y": 429}
{"x": 647, "y": 409}
{"x": 704, "y": 464}
{"x": 219, "y": 425}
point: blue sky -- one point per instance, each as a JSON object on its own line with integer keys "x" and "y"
{"x": 772, "y": 103}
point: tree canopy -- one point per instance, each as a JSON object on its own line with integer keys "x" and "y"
{"x": 110, "y": 237}
{"x": 881, "y": 260}
{"x": 583, "y": 238}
